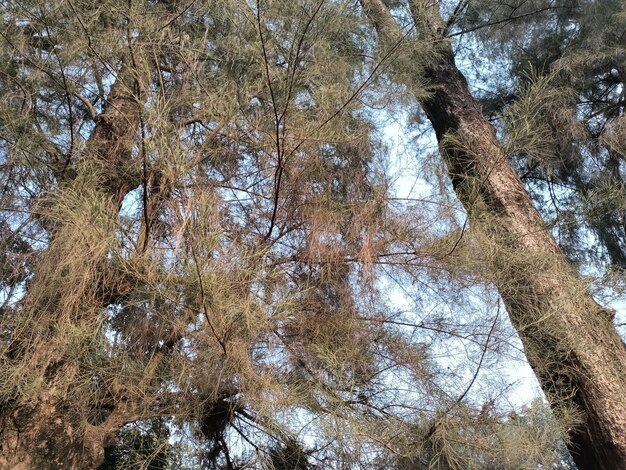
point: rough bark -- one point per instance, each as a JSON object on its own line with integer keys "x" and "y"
{"x": 570, "y": 341}
{"x": 114, "y": 136}
{"x": 51, "y": 434}
{"x": 53, "y": 430}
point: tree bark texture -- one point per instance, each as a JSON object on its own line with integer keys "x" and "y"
{"x": 52, "y": 431}
{"x": 570, "y": 341}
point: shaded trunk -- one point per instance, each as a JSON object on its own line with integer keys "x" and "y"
{"x": 51, "y": 434}
{"x": 53, "y": 430}
{"x": 570, "y": 341}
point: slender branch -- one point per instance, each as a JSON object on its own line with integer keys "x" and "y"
{"x": 457, "y": 11}
{"x": 92, "y": 111}
{"x": 178, "y": 15}
{"x": 504, "y": 20}
{"x": 203, "y": 300}
{"x": 461, "y": 397}
{"x": 68, "y": 100}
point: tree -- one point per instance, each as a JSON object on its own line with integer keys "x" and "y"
{"x": 567, "y": 91}
{"x": 570, "y": 340}
{"x": 182, "y": 219}
{"x": 199, "y": 232}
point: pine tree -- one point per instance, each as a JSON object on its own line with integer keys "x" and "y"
{"x": 570, "y": 340}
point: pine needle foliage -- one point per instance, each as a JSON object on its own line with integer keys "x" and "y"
{"x": 202, "y": 244}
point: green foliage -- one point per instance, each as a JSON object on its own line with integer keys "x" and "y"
{"x": 227, "y": 294}
{"x": 138, "y": 448}
{"x": 484, "y": 439}
{"x": 563, "y": 113}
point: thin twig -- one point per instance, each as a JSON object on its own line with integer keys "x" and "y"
{"x": 436, "y": 424}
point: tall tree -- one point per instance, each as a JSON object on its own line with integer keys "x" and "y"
{"x": 182, "y": 217}
{"x": 570, "y": 340}
{"x": 104, "y": 161}
{"x": 564, "y": 109}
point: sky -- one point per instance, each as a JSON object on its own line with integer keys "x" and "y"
{"x": 512, "y": 374}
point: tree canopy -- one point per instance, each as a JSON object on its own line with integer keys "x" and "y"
{"x": 302, "y": 234}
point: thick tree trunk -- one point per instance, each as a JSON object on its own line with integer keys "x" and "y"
{"x": 51, "y": 434}
{"x": 52, "y": 431}
{"x": 570, "y": 341}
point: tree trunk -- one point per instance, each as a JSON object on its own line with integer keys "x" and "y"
{"x": 51, "y": 434}
{"x": 51, "y": 430}
{"x": 570, "y": 341}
